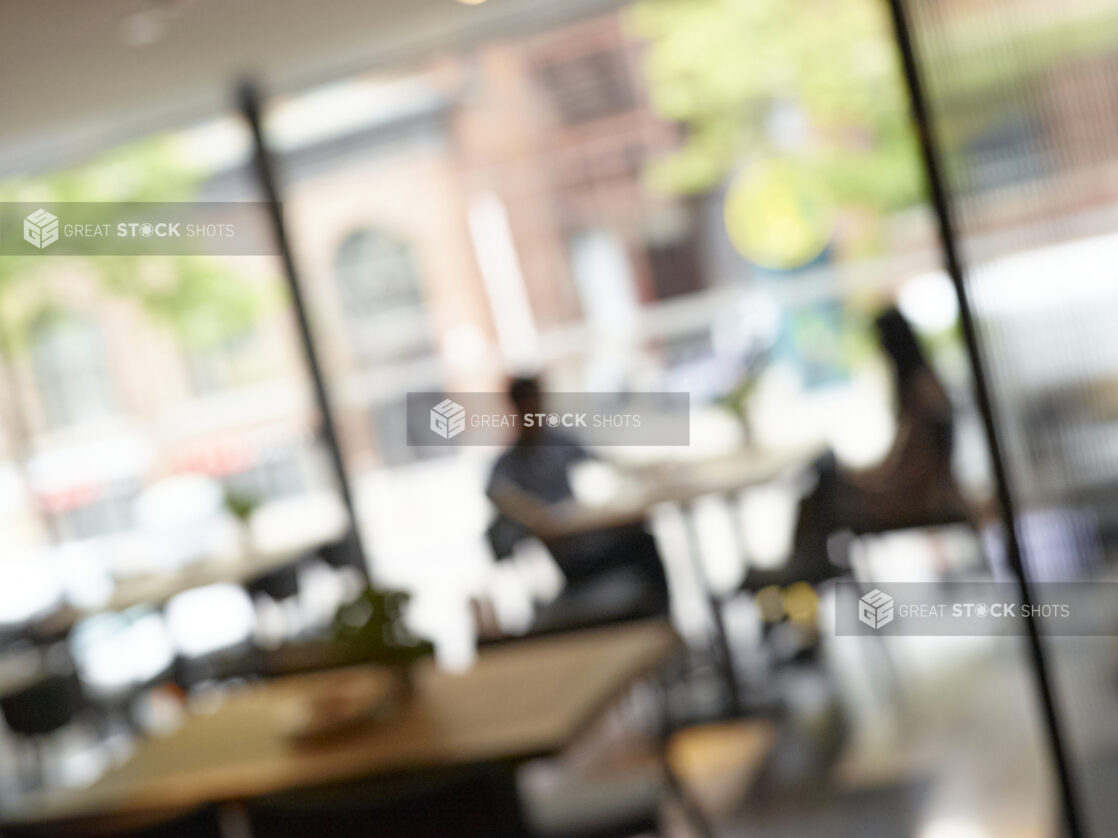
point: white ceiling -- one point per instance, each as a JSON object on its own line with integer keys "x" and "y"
{"x": 71, "y": 83}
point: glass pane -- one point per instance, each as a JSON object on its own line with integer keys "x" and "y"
{"x": 712, "y": 197}
{"x": 1024, "y": 99}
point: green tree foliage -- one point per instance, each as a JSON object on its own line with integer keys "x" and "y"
{"x": 725, "y": 69}
{"x": 202, "y": 299}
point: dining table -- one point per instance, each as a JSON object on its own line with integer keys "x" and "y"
{"x": 683, "y": 485}
{"x": 678, "y": 483}
{"x": 519, "y": 701}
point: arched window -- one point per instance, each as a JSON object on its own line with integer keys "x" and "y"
{"x": 378, "y": 280}
{"x": 71, "y": 371}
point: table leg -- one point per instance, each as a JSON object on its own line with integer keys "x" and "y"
{"x": 723, "y": 652}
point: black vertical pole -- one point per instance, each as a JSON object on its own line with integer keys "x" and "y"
{"x": 250, "y": 108}
{"x": 941, "y": 203}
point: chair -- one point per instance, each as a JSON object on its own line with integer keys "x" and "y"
{"x": 844, "y": 542}
{"x": 41, "y": 708}
{"x": 631, "y": 587}
{"x": 277, "y": 585}
{"x": 699, "y": 773}
{"x": 275, "y": 594}
{"x": 341, "y": 553}
{"x": 616, "y": 595}
{"x": 344, "y": 556}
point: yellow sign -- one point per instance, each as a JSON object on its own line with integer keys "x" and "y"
{"x": 777, "y": 216}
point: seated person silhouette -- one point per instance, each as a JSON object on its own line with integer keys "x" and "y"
{"x": 912, "y": 487}
{"x": 611, "y": 574}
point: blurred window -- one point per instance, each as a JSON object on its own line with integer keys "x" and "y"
{"x": 229, "y": 363}
{"x": 275, "y": 478}
{"x": 110, "y": 514}
{"x": 675, "y": 267}
{"x": 381, "y": 294}
{"x": 390, "y": 422}
{"x": 589, "y": 87}
{"x": 71, "y": 372}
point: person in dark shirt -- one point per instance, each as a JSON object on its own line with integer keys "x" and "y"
{"x": 531, "y": 480}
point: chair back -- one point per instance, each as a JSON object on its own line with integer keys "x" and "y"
{"x": 341, "y": 553}
{"x": 279, "y": 584}
{"x": 44, "y": 706}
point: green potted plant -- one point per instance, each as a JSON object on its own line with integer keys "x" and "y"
{"x": 371, "y": 629}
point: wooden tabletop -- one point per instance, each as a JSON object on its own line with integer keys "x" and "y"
{"x": 520, "y": 701}
{"x": 679, "y": 484}
{"x": 157, "y": 588}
